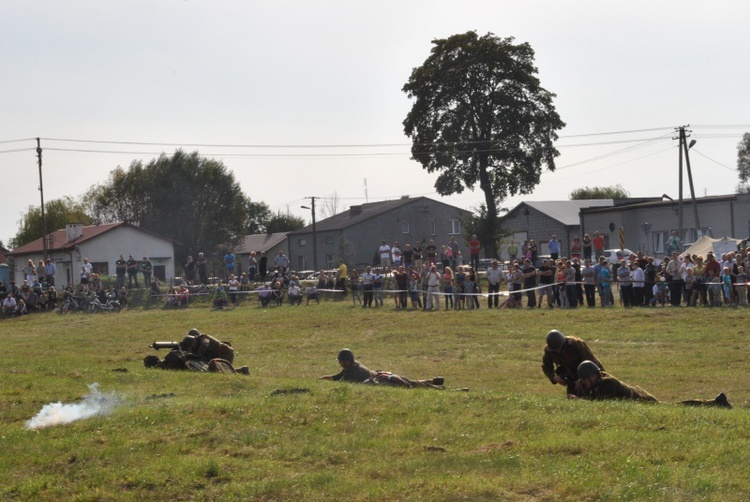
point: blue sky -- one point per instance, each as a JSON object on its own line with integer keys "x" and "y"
{"x": 310, "y": 92}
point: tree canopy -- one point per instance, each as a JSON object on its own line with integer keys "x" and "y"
{"x": 611, "y": 192}
{"x": 481, "y": 117}
{"x": 283, "y": 222}
{"x": 743, "y": 158}
{"x": 57, "y": 214}
{"x": 258, "y": 215}
{"x": 190, "y": 199}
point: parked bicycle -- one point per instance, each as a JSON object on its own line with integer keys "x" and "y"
{"x": 73, "y": 303}
{"x": 109, "y": 306}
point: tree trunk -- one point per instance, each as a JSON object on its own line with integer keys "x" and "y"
{"x": 489, "y": 239}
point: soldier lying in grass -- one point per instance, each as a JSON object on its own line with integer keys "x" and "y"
{"x": 197, "y": 352}
{"x": 595, "y": 384}
{"x": 355, "y": 372}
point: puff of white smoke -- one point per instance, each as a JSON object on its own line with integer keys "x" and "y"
{"x": 94, "y": 403}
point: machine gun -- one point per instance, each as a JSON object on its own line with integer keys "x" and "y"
{"x": 165, "y": 345}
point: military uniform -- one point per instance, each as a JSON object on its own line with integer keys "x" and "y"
{"x": 356, "y": 373}
{"x": 609, "y": 387}
{"x": 209, "y": 348}
{"x": 565, "y": 362}
{"x": 359, "y": 373}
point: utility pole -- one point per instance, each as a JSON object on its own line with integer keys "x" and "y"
{"x": 679, "y": 203}
{"x": 315, "y": 233}
{"x": 690, "y": 180}
{"x": 41, "y": 194}
{"x": 684, "y": 147}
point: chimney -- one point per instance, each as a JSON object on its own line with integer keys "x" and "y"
{"x": 73, "y": 231}
{"x": 355, "y": 210}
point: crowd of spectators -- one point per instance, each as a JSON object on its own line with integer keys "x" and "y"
{"x": 429, "y": 278}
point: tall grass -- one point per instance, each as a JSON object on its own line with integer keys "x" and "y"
{"x": 500, "y": 431}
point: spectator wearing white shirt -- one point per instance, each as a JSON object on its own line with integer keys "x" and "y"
{"x": 396, "y": 254}
{"x": 639, "y": 283}
{"x": 385, "y": 254}
{"x": 494, "y": 278}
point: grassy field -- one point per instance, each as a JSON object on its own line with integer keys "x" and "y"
{"x": 500, "y": 431}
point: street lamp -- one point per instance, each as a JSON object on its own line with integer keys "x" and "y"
{"x": 315, "y": 234}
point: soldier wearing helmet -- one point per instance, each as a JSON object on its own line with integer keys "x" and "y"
{"x": 595, "y": 384}
{"x": 562, "y": 355}
{"x": 355, "y": 372}
{"x": 207, "y": 347}
{"x": 197, "y": 351}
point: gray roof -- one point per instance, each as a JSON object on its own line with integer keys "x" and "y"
{"x": 564, "y": 211}
{"x": 260, "y": 242}
{"x": 359, "y": 213}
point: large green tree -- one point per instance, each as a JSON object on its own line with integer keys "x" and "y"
{"x": 57, "y": 214}
{"x": 284, "y": 222}
{"x": 481, "y": 117}
{"x": 190, "y": 199}
{"x": 258, "y": 215}
{"x": 743, "y": 158}
{"x": 611, "y": 192}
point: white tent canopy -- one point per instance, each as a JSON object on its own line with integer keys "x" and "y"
{"x": 702, "y": 246}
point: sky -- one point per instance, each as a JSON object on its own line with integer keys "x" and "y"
{"x": 303, "y": 98}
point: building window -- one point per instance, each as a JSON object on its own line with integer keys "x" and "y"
{"x": 329, "y": 239}
{"x": 702, "y": 232}
{"x": 329, "y": 261}
{"x": 301, "y": 263}
{"x": 100, "y": 267}
{"x": 302, "y": 242}
{"x": 660, "y": 241}
{"x": 688, "y": 236}
{"x": 404, "y": 227}
{"x": 455, "y": 227}
{"x": 433, "y": 228}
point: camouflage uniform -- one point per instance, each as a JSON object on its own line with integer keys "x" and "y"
{"x": 565, "y": 362}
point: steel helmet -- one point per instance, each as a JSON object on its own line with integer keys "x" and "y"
{"x": 187, "y": 343}
{"x": 587, "y": 368}
{"x": 194, "y": 332}
{"x": 346, "y": 355}
{"x": 555, "y": 340}
{"x": 151, "y": 361}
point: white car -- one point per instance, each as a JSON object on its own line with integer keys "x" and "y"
{"x": 616, "y": 255}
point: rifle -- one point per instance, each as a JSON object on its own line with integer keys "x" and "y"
{"x": 165, "y": 345}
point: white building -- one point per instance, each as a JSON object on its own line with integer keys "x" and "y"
{"x": 102, "y": 245}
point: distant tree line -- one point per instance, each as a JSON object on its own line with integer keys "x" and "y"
{"x": 194, "y": 201}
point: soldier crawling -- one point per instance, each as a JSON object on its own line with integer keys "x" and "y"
{"x": 355, "y": 372}
{"x": 197, "y": 352}
{"x": 595, "y": 384}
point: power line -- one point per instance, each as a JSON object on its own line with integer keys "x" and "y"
{"x": 622, "y": 150}
{"x": 616, "y": 132}
{"x": 333, "y": 145}
{"x": 219, "y": 145}
{"x": 18, "y": 150}
{"x": 615, "y": 165}
{"x": 714, "y": 161}
{"x": 332, "y": 154}
{"x": 16, "y": 140}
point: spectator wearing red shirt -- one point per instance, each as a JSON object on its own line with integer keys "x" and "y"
{"x": 598, "y": 242}
{"x": 474, "y": 247}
